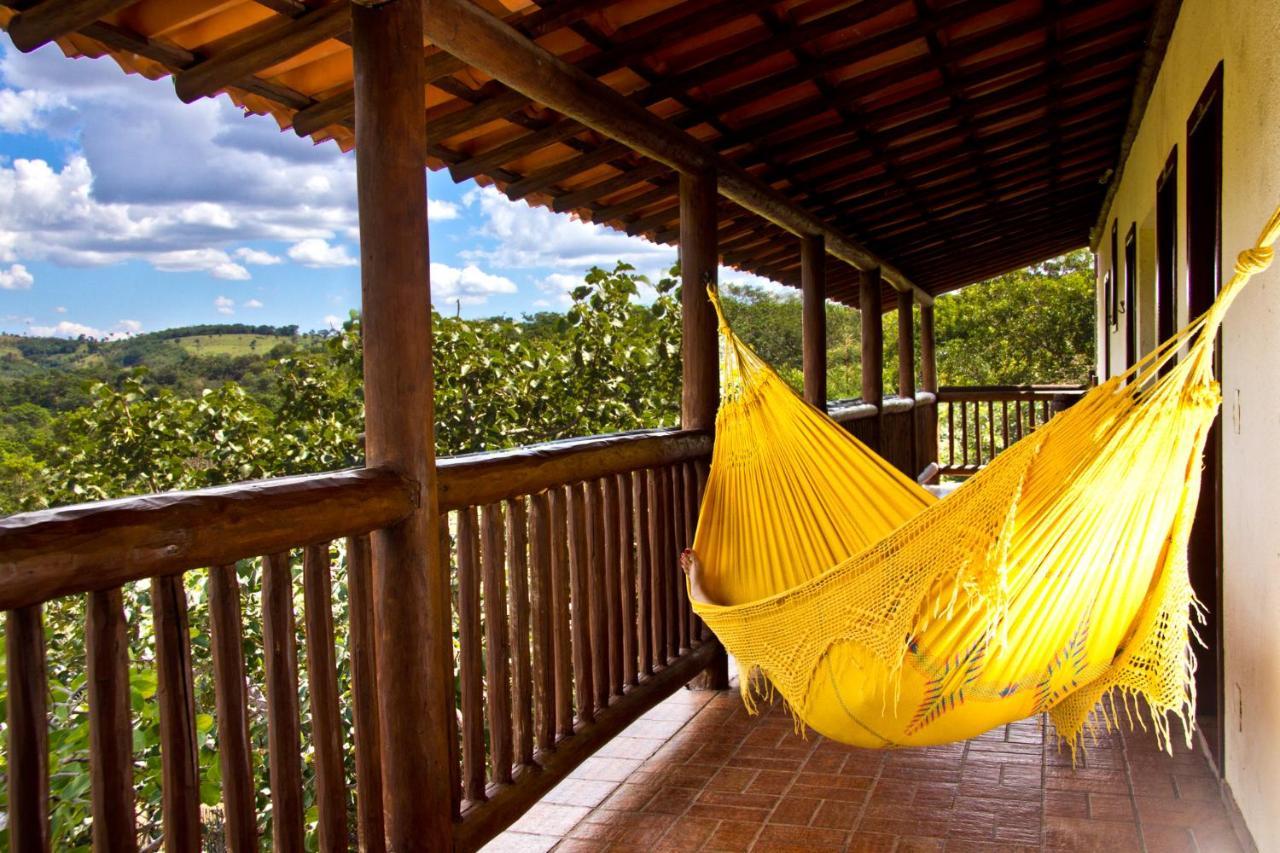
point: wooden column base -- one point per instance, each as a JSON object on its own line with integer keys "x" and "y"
{"x": 716, "y": 675}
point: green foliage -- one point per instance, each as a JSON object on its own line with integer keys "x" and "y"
{"x": 1030, "y": 326}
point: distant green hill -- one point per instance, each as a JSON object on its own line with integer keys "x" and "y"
{"x": 55, "y": 373}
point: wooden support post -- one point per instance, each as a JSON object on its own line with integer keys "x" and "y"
{"x": 414, "y": 638}
{"x": 906, "y": 347}
{"x": 870, "y": 303}
{"x": 700, "y": 392}
{"x": 813, "y": 285}
{"x": 929, "y": 383}
{"x": 907, "y": 378}
{"x": 928, "y": 351}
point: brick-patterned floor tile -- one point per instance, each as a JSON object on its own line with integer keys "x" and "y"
{"x": 779, "y": 836}
{"x": 1091, "y": 835}
{"x": 798, "y": 811}
{"x": 687, "y": 833}
{"x": 733, "y": 836}
{"x": 702, "y": 774}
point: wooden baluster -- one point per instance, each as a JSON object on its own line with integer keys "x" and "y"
{"x": 644, "y": 581}
{"x": 1017, "y": 420}
{"x": 627, "y": 577}
{"x": 991, "y": 428}
{"x": 964, "y": 432}
{"x": 701, "y": 470}
{"x": 612, "y": 578}
{"x": 544, "y": 671}
{"x": 176, "y": 697}
{"x": 364, "y": 694}
{"x": 675, "y": 528}
{"x": 473, "y": 760}
{"x": 449, "y": 566}
{"x": 690, "y": 494}
{"x": 28, "y": 720}
{"x": 521, "y": 688}
{"x": 110, "y": 723}
{"x": 322, "y": 687}
{"x": 657, "y": 596}
{"x": 1004, "y": 421}
{"x": 284, "y": 737}
{"x": 665, "y": 565}
{"x": 951, "y": 434}
{"x": 562, "y": 636}
{"x": 497, "y": 641}
{"x": 597, "y": 594}
{"x": 231, "y": 701}
{"x": 579, "y": 583}
{"x": 1045, "y": 413}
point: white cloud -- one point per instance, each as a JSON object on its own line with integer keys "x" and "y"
{"x": 441, "y": 210}
{"x": 333, "y": 321}
{"x": 223, "y": 305}
{"x": 469, "y": 284}
{"x": 66, "y": 329}
{"x": 16, "y": 277}
{"x": 531, "y": 237}
{"x": 28, "y": 110}
{"x": 252, "y": 303}
{"x": 560, "y": 285}
{"x": 316, "y": 253}
{"x": 128, "y": 191}
{"x": 71, "y": 329}
{"x": 61, "y": 309}
{"x": 257, "y": 257}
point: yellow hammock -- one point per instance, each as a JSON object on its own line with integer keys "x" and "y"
{"x": 886, "y": 617}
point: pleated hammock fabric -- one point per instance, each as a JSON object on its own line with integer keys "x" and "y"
{"x": 1055, "y": 576}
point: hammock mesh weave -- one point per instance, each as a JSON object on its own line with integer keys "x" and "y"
{"x": 1055, "y": 576}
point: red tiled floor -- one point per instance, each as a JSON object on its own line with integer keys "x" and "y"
{"x": 699, "y": 773}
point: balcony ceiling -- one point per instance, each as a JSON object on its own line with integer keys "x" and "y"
{"x": 956, "y": 139}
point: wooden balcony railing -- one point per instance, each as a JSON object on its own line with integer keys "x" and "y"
{"x": 570, "y": 618}
{"x": 96, "y": 549}
{"x": 977, "y": 422}
{"x": 572, "y": 614}
{"x": 903, "y": 430}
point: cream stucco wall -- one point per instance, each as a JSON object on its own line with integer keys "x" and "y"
{"x": 1245, "y": 36}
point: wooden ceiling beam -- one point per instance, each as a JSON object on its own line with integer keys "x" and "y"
{"x": 263, "y": 49}
{"x": 53, "y": 19}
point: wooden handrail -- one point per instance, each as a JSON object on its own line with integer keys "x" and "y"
{"x": 95, "y": 546}
{"x": 998, "y": 393}
{"x": 481, "y": 478}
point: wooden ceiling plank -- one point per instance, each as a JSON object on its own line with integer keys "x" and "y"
{"x": 632, "y": 204}
{"x": 543, "y": 178}
{"x": 584, "y": 195}
{"x": 475, "y": 36}
{"x": 264, "y": 49}
{"x": 52, "y": 19}
{"x": 557, "y": 131}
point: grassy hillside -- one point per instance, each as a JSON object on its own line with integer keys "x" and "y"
{"x": 55, "y": 373}
{"x": 228, "y": 344}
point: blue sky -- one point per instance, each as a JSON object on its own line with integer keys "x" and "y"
{"x": 123, "y": 210}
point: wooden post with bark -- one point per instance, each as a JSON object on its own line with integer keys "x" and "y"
{"x": 411, "y": 586}
{"x": 870, "y": 304}
{"x": 929, "y": 383}
{"x": 907, "y": 373}
{"x": 813, "y": 286}
{"x": 700, "y": 349}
